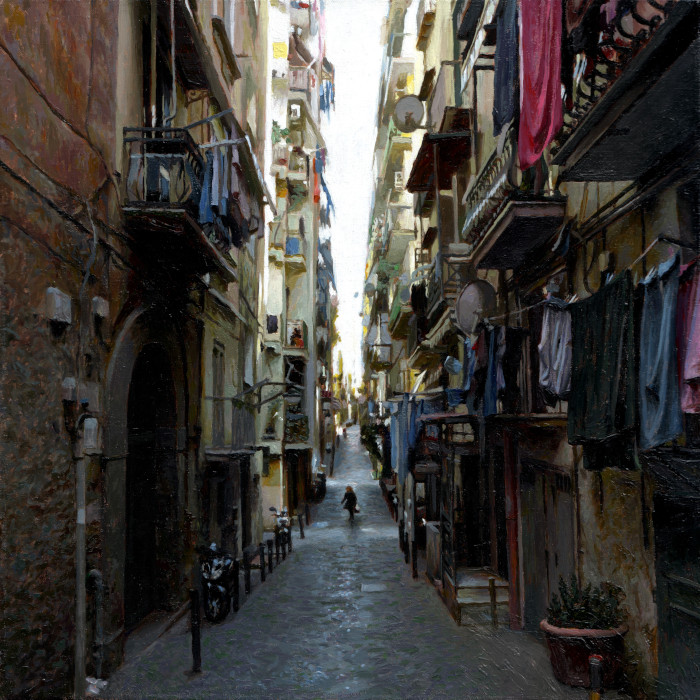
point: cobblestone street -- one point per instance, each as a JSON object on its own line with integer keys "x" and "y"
{"x": 342, "y": 617}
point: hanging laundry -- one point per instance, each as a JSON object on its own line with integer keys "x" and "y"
{"x": 505, "y": 78}
{"x": 660, "y": 416}
{"x": 494, "y": 372}
{"x": 603, "y": 397}
{"x": 540, "y": 77}
{"x": 555, "y": 350}
{"x": 688, "y": 337}
{"x": 206, "y": 213}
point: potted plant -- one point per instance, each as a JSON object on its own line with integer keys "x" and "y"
{"x": 584, "y": 621}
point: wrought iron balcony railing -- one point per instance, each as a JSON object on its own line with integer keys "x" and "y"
{"x": 167, "y": 174}
{"x": 628, "y": 32}
{"x": 165, "y": 167}
{"x": 507, "y": 217}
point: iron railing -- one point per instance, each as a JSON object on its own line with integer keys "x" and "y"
{"x": 623, "y": 38}
{"x": 164, "y": 167}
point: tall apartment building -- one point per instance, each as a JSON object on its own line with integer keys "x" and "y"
{"x": 300, "y": 87}
{"x": 515, "y": 461}
{"x": 132, "y": 210}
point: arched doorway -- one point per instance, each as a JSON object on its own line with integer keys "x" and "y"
{"x": 151, "y": 487}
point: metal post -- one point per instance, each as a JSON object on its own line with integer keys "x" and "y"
{"x": 401, "y": 535}
{"x": 301, "y": 526}
{"x": 414, "y": 559}
{"x": 261, "y": 547}
{"x": 195, "y": 625}
{"x": 595, "y": 669}
{"x": 269, "y": 555}
{"x": 307, "y": 513}
{"x": 236, "y": 584}
{"x": 246, "y": 572}
{"x": 492, "y": 596}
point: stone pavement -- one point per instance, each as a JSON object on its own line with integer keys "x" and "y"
{"x": 343, "y": 618}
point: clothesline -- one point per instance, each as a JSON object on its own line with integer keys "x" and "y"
{"x": 658, "y": 239}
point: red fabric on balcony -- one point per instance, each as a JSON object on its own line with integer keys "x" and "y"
{"x": 540, "y": 77}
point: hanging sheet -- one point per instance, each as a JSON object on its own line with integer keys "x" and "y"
{"x": 555, "y": 350}
{"x": 540, "y": 77}
{"x": 688, "y": 337}
{"x": 603, "y": 380}
{"x": 506, "y": 67}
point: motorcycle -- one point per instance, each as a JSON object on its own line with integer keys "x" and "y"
{"x": 217, "y": 583}
{"x": 283, "y": 523}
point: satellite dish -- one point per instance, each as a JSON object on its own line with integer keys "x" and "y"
{"x": 475, "y": 303}
{"x": 405, "y": 295}
{"x": 408, "y": 113}
{"x": 369, "y": 289}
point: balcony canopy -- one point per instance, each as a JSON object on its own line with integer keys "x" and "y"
{"x": 451, "y": 146}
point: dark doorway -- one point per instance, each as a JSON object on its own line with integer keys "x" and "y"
{"x": 151, "y": 487}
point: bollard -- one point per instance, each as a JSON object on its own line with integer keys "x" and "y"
{"x": 236, "y": 584}
{"x": 261, "y": 548}
{"x": 269, "y": 556}
{"x": 492, "y": 596}
{"x": 595, "y": 669}
{"x": 406, "y": 548}
{"x": 246, "y": 572}
{"x": 414, "y": 559}
{"x": 195, "y": 626}
{"x": 301, "y": 526}
{"x": 277, "y": 548}
{"x": 307, "y": 514}
{"x": 289, "y": 538}
{"x": 401, "y": 535}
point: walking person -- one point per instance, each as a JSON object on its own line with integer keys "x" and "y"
{"x": 350, "y": 502}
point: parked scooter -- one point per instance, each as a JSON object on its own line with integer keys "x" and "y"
{"x": 282, "y": 524}
{"x": 217, "y": 583}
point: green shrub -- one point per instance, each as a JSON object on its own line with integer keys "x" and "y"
{"x": 586, "y": 607}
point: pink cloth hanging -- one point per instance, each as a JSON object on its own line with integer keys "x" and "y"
{"x": 688, "y": 337}
{"x": 540, "y": 77}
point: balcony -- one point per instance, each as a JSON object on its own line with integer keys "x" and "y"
{"x": 303, "y": 86}
{"x": 636, "y": 109}
{"x": 297, "y": 337}
{"x": 446, "y": 281}
{"x": 506, "y": 223}
{"x": 232, "y": 426}
{"x": 400, "y": 312}
{"x": 295, "y": 254}
{"x": 162, "y": 197}
{"x": 296, "y": 429}
{"x": 397, "y": 144}
{"x": 280, "y": 160}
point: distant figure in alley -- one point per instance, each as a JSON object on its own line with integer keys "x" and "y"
{"x": 350, "y": 501}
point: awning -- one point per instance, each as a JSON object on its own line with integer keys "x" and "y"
{"x": 452, "y": 146}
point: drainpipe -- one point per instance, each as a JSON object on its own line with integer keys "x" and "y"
{"x": 173, "y": 107}
{"x": 96, "y": 577}
{"x": 80, "y": 618}
{"x": 152, "y": 98}
{"x": 78, "y": 447}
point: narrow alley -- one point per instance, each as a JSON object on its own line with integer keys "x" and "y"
{"x": 342, "y": 617}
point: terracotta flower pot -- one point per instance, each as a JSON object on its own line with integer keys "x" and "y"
{"x": 569, "y": 649}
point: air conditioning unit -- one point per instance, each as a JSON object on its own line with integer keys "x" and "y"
{"x": 398, "y": 181}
